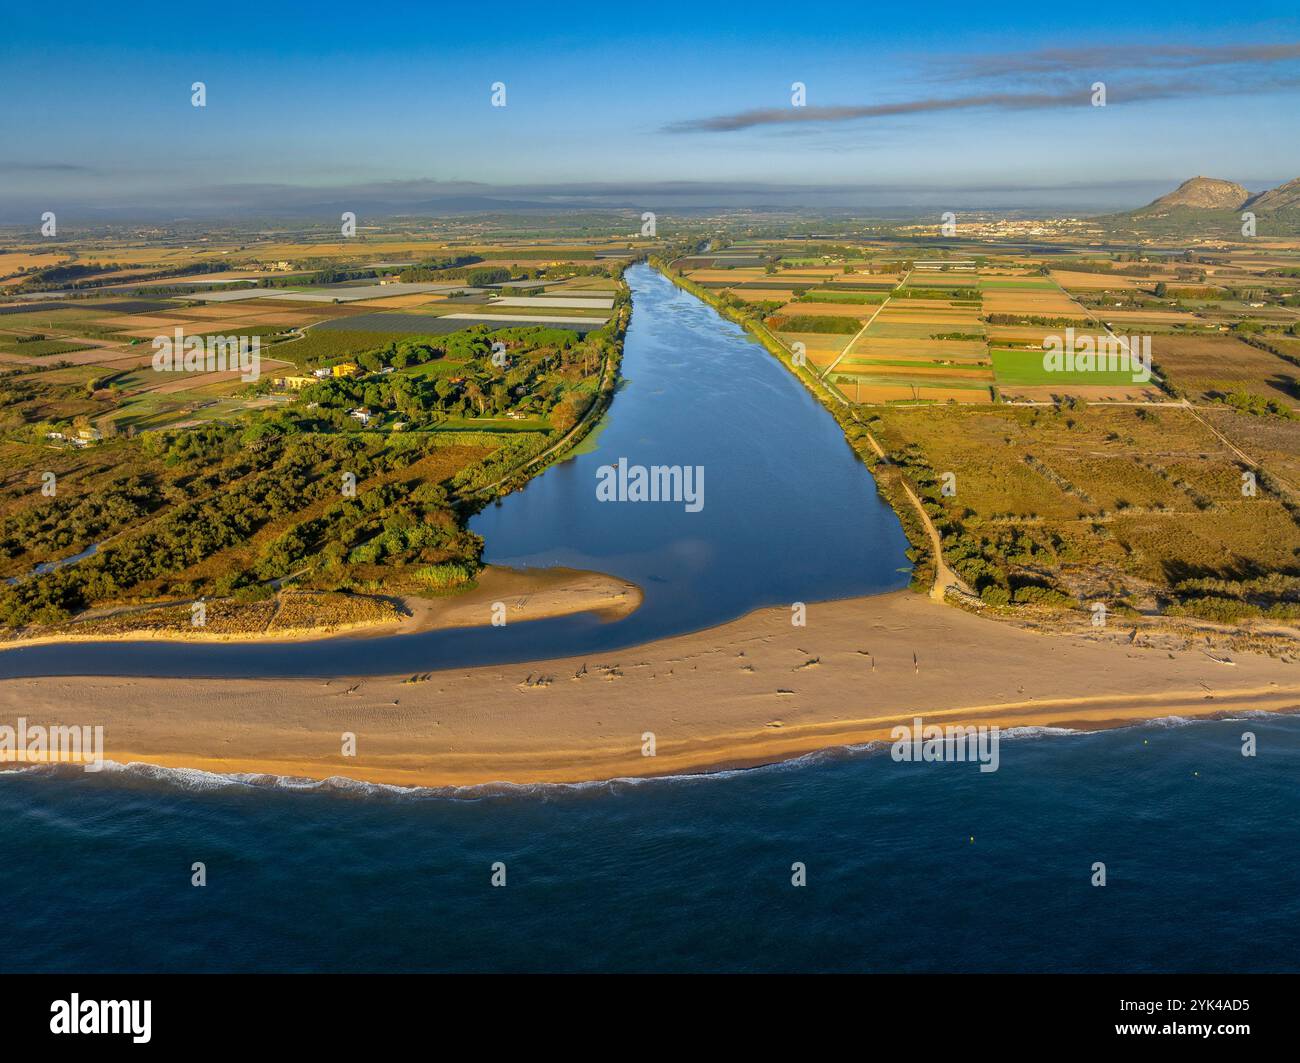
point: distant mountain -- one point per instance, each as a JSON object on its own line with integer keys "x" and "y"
{"x": 1200, "y": 193}
{"x": 1284, "y": 197}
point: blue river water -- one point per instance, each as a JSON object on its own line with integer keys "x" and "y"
{"x": 789, "y": 514}
{"x": 910, "y": 867}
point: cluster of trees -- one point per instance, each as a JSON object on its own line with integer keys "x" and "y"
{"x": 272, "y": 480}
{"x": 1030, "y": 319}
{"x": 72, "y": 274}
{"x": 225, "y": 484}
{"x": 542, "y": 365}
{"x": 58, "y": 276}
{"x": 478, "y": 278}
{"x": 325, "y": 274}
{"x": 48, "y": 530}
{"x": 391, "y": 523}
{"x": 1275, "y": 595}
{"x": 429, "y": 269}
{"x": 940, "y": 293}
{"x": 1257, "y": 405}
{"x": 995, "y": 561}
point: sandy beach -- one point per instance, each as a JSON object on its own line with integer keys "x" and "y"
{"x": 753, "y": 691}
{"x": 532, "y": 594}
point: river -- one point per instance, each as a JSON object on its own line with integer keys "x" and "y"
{"x": 787, "y": 514}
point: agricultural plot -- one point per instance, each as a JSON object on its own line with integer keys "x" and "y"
{"x": 322, "y": 345}
{"x": 552, "y": 303}
{"x": 881, "y": 287}
{"x": 726, "y": 277}
{"x": 820, "y": 348}
{"x": 581, "y": 286}
{"x": 923, "y": 345}
{"x": 867, "y": 389}
{"x": 931, "y": 279}
{"x": 238, "y": 295}
{"x": 1027, "y": 368}
{"x": 360, "y": 293}
{"x": 1214, "y": 367}
{"x": 13, "y": 261}
{"x": 574, "y": 320}
{"x": 1092, "y": 282}
{"x": 956, "y": 351}
{"x": 1036, "y": 336}
{"x": 498, "y": 309}
{"x": 1017, "y": 284}
{"x": 430, "y": 325}
{"x": 762, "y": 295}
{"x": 1044, "y": 302}
{"x": 1021, "y": 375}
{"x": 803, "y": 308}
{"x": 29, "y": 347}
{"x": 405, "y": 302}
{"x": 1154, "y": 318}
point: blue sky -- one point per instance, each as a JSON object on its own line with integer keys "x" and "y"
{"x": 392, "y": 102}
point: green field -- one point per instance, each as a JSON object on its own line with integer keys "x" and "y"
{"x": 1025, "y": 369}
{"x": 820, "y": 296}
{"x": 322, "y": 345}
{"x": 40, "y": 348}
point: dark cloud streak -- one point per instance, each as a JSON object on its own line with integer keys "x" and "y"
{"x": 1117, "y": 57}
{"x": 1118, "y": 92}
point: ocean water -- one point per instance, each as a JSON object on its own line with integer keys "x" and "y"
{"x": 910, "y": 867}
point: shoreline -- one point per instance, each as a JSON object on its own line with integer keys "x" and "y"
{"x": 258, "y": 775}
{"x": 528, "y": 594}
{"x": 751, "y": 692}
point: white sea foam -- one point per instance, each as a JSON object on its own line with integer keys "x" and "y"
{"x": 1041, "y": 732}
{"x": 197, "y": 780}
{"x": 1169, "y": 721}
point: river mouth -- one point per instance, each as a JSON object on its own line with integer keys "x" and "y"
{"x": 750, "y": 497}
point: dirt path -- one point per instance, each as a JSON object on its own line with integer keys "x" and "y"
{"x": 859, "y": 334}
{"x": 944, "y": 577}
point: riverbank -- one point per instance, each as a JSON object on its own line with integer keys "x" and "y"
{"x": 528, "y": 594}
{"x": 930, "y": 573}
{"x": 754, "y": 691}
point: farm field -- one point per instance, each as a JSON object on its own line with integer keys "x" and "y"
{"x": 1025, "y": 368}
{"x": 394, "y": 383}
{"x": 1213, "y": 367}
{"x": 109, "y": 337}
{"x": 928, "y": 335}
